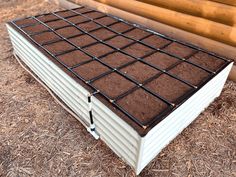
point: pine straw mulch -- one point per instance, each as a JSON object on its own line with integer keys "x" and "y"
{"x": 38, "y": 138}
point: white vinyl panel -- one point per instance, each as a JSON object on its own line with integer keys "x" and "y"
{"x": 111, "y": 130}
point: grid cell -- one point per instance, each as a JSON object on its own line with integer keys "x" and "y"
{"x": 82, "y": 40}
{"x": 91, "y": 70}
{"x": 134, "y": 70}
{"x": 142, "y": 105}
{"x": 74, "y": 58}
{"x": 117, "y": 85}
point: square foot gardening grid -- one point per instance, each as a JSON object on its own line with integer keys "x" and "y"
{"x": 143, "y": 74}
{"x": 140, "y": 75}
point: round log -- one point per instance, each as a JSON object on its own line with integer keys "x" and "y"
{"x": 207, "y": 9}
{"x": 228, "y": 2}
{"x": 203, "y": 27}
{"x": 232, "y": 75}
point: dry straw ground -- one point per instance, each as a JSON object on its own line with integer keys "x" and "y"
{"x": 38, "y": 138}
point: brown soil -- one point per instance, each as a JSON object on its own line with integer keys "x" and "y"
{"x": 106, "y": 20}
{"x": 142, "y": 105}
{"x": 82, "y": 40}
{"x": 195, "y": 77}
{"x": 135, "y": 71}
{"x": 26, "y": 22}
{"x": 117, "y": 59}
{"x": 39, "y": 138}
{"x": 117, "y": 85}
{"x": 77, "y": 19}
{"x": 102, "y": 34}
{"x": 119, "y": 41}
{"x": 137, "y": 34}
{"x": 73, "y": 58}
{"x": 66, "y": 14}
{"x": 35, "y": 29}
{"x": 179, "y": 50}
{"x": 138, "y": 50}
{"x": 59, "y": 47}
{"x": 155, "y": 41}
{"x": 57, "y": 24}
{"x": 68, "y": 32}
{"x": 45, "y": 18}
{"x": 168, "y": 87}
{"x": 120, "y": 27}
{"x": 45, "y": 37}
{"x": 98, "y": 50}
{"x": 161, "y": 60}
{"x": 94, "y": 14}
{"x": 88, "y": 26}
{"x": 91, "y": 70}
{"x": 212, "y": 62}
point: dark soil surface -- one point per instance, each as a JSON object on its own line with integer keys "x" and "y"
{"x": 119, "y": 41}
{"x": 190, "y": 73}
{"x": 39, "y": 138}
{"x": 93, "y": 14}
{"x": 91, "y": 70}
{"x": 28, "y": 21}
{"x": 168, "y": 87}
{"x": 103, "y": 34}
{"x": 117, "y": 59}
{"x": 106, "y": 20}
{"x": 73, "y": 58}
{"x": 138, "y": 102}
{"x": 117, "y": 85}
{"x": 161, "y": 60}
{"x": 59, "y": 47}
{"x": 57, "y": 24}
{"x": 213, "y": 63}
{"x": 98, "y": 50}
{"x": 89, "y": 26}
{"x": 156, "y": 41}
{"x": 66, "y": 14}
{"x": 120, "y": 27}
{"x": 45, "y": 18}
{"x": 68, "y": 32}
{"x": 135, "y": 69}
{"x": 138, "y": 50}
{"x": 45, "y": 37}
{"x": 137, "y": 34}
{"x": 36, "y": 28}
{"x": 179, "y": 50}
{"x": 83, "y": 40}
{"x": 77, "y": 19}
